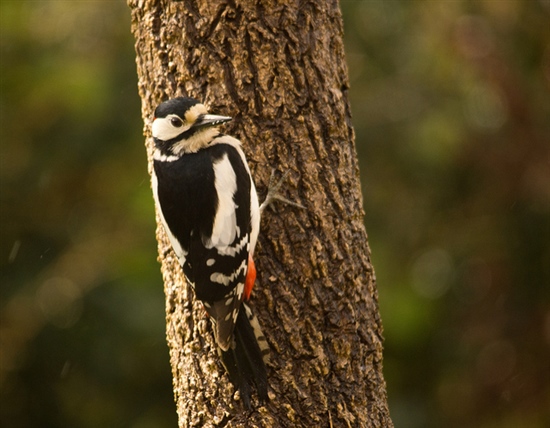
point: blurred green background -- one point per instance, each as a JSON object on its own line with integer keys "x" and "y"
{"x": 451, "y": 106}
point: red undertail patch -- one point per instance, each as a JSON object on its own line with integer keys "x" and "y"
{"x": 250, "y": 278}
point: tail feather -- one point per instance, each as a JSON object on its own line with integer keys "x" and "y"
{"x": 245, "y": 360}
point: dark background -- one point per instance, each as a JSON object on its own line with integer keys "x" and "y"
{"x": 450, "y": 103}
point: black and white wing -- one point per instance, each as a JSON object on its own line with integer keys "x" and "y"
{"x": 206, "y": 210}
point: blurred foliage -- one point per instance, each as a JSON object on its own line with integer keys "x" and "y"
{"x": 82, "y": 321}
{"x": 451, "y": 106}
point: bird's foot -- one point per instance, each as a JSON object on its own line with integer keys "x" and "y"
{"x": 274, "y": 195}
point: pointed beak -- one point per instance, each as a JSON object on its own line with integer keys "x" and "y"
{"x": 208, "y": 120}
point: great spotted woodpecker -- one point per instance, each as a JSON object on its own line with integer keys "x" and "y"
{"x": 209, "y": 208}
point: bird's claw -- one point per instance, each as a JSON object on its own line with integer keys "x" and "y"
{"x": 274, "y": 195}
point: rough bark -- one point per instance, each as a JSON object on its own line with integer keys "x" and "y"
{"x": 278, "y": 68}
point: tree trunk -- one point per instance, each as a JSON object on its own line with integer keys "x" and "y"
{"x": 278, "y": 68}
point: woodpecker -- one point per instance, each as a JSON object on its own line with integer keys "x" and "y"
{"x": 207, "y": 203}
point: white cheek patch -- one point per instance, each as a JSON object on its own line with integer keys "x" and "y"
{"x": 163, "y": 129}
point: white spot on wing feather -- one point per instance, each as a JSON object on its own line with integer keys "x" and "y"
{"x": 220, "y": 278}
{"x": 231, "y": 251}
{"x": 240, "y": 289}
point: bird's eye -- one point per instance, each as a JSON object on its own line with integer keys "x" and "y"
{"x": 176, "y": 122}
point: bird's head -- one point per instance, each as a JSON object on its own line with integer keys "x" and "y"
{"x": 183, "y": 125}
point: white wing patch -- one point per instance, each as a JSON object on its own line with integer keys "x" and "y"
{"x": 254, "y": 204}
{"x": 225, "y": 227}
